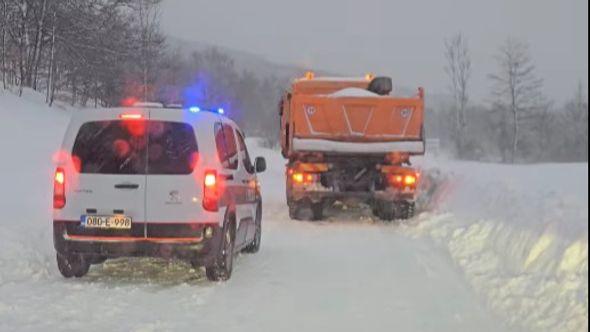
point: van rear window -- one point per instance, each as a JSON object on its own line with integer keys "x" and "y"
{"x": 135, "y": 147}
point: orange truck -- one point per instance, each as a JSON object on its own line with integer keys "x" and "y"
{"x": 349, "y": 139}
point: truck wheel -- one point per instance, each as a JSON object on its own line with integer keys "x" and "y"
{"x": 253, "y": 247}
{"x": 222, "y": 269}
{"x": 375, "y": 208}
{"x": 407, "y": 210}
{"x": 294, "y": 209}
{"x": 317, "y": 211}
{"x": 387, "y": 210}
{"x": 72, "y": 265}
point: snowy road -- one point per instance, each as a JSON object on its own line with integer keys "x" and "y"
{"x": 346, "y": 274}
{"x": 308, "y": 277}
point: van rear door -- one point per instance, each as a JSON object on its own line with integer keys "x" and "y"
{"x": 173, "y": 196}
{"x": 108, "y": 176}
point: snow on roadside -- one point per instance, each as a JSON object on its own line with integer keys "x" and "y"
{"x": 31, "y": 132}
{"x": 520, "y": 235}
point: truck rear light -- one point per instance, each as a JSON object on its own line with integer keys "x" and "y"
{"x": 210, "y": 191}
{"x": 410, "y": 180}
{"x": 402, "y": 180}
{"x": 59, "y": 189}
{"x": 298, "y": 177}
{"x": 304, "y": 178}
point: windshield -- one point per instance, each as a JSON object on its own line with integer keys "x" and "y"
{"x": 135, "y": 147}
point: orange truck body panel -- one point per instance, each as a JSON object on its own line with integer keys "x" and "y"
{"x": 315, "y": 110}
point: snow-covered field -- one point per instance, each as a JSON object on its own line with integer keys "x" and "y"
{"x": 506, "y": 250}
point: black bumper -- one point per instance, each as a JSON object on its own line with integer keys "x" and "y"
{"x": 180, "y": 241}
{"x": 317, "y": 196}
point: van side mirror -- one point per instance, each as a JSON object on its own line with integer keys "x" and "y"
{"x": 260, "y": 164}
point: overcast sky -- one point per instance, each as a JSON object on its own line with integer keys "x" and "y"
{"x": 403, "y": 39}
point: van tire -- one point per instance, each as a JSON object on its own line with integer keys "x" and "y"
{"x": 254, "y": 247}
{"x": 221, "y": 270}
{"x": 72, "y": 265}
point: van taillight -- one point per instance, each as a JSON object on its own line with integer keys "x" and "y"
{"x": 59, "y": 189}
{"x": 210, "y": 191}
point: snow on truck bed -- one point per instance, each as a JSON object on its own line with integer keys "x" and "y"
{"x": 353, "y": 92}
{"x": 508, "y": 244}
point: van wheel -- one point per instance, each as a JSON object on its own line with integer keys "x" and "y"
{"x": 253, "y": 247}
{"x": 222, "y": 269}
{"x": 72, "y": 265}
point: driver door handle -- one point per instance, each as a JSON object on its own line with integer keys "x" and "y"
{"x": 126, "y": 186}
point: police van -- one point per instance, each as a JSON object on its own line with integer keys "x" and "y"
{"x": 155, "y": 182}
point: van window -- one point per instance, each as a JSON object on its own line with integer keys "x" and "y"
{"x": 172, "y": 148}
{"x": 246, "y": 161}
{"x": 226, "y": 145}
{"x": 135, "y": 147}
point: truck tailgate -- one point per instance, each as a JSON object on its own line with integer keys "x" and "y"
{"x": 386, "y": 123}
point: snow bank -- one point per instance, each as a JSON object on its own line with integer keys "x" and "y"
{"x": 31, "y": 132}
{"x": 520, "y": 235}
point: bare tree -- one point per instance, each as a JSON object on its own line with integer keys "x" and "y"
{"x": 575, "y": 119}
{"x": 459, "y": 71}
{"x": 4, "y": 29}
{"x": 516, "y": 94}
{"x": 151, "y": 40}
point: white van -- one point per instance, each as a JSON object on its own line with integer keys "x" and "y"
{"x": 156, "y": 182}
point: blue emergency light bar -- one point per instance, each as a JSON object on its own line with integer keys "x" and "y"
{"x": 196, "y": 109}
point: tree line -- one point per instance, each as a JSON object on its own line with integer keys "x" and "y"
{"x": 104, "y": 53}
{"x": 519, "y": 123}
{"x": 88, "y": 51}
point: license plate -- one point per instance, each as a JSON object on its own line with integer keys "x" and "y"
{"x": 107, "y": 222}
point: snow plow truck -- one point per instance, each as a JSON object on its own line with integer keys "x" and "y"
{"x": 350, "y": 139}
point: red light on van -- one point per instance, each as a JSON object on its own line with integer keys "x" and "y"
{"x": 59, "y": 189}
{"x": 129, "y": 102}
{"x": 210, "y": 180}
{"x": 210, "y": 192}
{"x": 130, "y": 116}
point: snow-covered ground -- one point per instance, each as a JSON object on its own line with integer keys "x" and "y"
{"x": 506, "y": 250}
{"x": 520, "y": 236}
